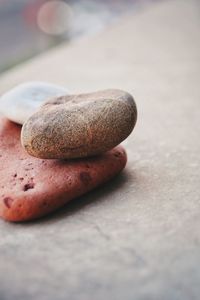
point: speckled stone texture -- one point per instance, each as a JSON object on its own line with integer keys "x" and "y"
{"x": 31, "y": 187}
{"x": 82, "y": 125}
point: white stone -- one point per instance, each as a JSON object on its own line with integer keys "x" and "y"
{"x": 21, "y": 102}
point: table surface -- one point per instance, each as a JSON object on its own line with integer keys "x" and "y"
{"x": 138, "y": 236}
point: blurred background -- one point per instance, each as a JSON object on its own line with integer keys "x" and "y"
{"x": 29, "y": 27}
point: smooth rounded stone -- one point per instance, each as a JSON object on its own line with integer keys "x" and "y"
{"x": 21, "y": 102}
{"x": 32, "y": 187}
{"x": 82, "y": 125}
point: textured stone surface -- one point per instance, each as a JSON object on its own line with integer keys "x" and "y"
{"x": 19, "y": 103}
{"x": 82, "y": 125}
{"x": 31, "y": 187}
{"x": 137, "y": 237}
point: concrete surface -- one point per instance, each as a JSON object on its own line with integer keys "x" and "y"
{"x": 137, "y": 237}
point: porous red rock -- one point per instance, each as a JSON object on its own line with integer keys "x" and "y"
{"x": 32, "y": 187}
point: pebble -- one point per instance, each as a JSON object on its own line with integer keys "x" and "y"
{"x": 83, "y": 125}
{"x": 21, "y": 102}
{"x": 31, "y": 187}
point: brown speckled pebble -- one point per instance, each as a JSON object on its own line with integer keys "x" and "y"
{"x": 32, "y": 187}
{"x": 82, "y": 125}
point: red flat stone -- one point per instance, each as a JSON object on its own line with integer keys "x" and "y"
{"x": 32, "y": 187}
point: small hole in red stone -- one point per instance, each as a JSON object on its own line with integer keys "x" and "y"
{"x": 28, "y": 186}
{"x": 85, "y": 177}
{"x": 117, "y": 154}
{"x": 8, "y": 201}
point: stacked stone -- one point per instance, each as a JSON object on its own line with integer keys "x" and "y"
{"x": 65, "y": 145}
